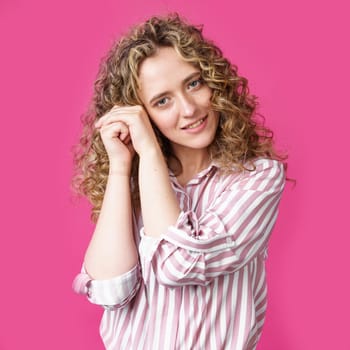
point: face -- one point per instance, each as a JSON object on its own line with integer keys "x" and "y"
{"x": 178, "y": 101}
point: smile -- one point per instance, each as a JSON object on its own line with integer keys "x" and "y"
{"x": 196, "y": 124}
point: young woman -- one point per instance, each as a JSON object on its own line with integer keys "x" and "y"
{"x": 185, "y": 187}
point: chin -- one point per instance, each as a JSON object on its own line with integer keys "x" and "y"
{"x": 200, "y": 144}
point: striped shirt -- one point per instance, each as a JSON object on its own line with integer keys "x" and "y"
{"x": 201, "y": 285}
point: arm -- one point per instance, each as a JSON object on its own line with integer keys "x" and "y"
{"x": 112, "y": 250}
{"x": 111, "y": 273}
{"x": 231, "y": 232}
{"x": 159, "y": 205}
{"x": 156, "y": 193}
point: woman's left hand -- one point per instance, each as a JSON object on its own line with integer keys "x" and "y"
{"x": 138, "y": 123}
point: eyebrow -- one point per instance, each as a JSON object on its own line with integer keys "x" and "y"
{"x": 186, "y": 80}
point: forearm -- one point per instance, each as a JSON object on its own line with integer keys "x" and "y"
{"x": 159, "y": 205}
{"x": 112, "y": 250}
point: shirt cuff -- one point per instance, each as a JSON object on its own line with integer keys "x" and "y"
{"x": 81, "y": 282}
{"x": 188, "y": 234}
{"x": 116, "y": 291}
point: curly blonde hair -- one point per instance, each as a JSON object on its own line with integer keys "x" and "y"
{"x": 240, "y": 138}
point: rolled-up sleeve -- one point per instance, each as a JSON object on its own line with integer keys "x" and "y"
{"x": 231, "y": 231}
{"x": 111, "y": 293}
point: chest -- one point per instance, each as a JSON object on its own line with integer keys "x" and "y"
{"x": 199, "y": 197}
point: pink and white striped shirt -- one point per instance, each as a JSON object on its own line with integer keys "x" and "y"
{"x": 201, "y": 285}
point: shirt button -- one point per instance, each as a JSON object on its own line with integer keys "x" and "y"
{"x": 228, "y": 240}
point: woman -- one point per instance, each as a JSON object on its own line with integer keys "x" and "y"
{"x": 185, "y": 186}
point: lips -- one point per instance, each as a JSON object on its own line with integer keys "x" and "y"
{"x": 195, "y": 124}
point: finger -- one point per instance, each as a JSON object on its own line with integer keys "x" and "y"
{"x": 107, "y": 116}
{"x": 124, "y": 134}
{"x": 116, "y": 129}
{"x": 122, "y": 127}
{"x": 127, "y": 139}
{"x": 119, "y": 114}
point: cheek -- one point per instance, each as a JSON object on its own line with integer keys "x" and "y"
{"x": 165, "y": 121}
{"x": 205, "y": 97}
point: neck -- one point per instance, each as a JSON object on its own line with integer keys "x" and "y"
{"x": 192, "y": 162}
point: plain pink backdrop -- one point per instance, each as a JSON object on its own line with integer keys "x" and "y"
{"x": 295, "y": 54}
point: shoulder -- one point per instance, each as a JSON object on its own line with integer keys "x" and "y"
{"x": 266, "y": 165}
{"x": 262, "y": 174}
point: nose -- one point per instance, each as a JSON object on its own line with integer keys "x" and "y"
{"x": 187, "y": 106}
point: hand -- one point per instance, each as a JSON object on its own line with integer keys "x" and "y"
{"x": 125, "y": 124}
{"x": 116, "y": 139}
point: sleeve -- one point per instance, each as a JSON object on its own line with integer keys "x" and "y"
{"x": 233, "y": 229}
{"x": 112, "y": 293}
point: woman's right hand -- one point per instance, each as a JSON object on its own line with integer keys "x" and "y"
{"x": 117, "y": 141}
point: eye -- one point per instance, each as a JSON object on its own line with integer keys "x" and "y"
{"x": 195, "y": 83}
{"x": 162, "y": 102}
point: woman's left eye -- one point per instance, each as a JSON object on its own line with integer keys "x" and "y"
{"x": 195, "y": 83}
{"x": 162, "y": 101}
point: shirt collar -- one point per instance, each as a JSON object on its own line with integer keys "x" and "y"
{"x": 203, "y": 174}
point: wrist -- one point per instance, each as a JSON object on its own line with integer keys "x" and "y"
{"x": 150, "y": 153}
{"x": 118, "y": 173}
{"x": 119, "y": 170}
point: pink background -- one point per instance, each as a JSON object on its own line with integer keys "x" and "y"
{"x": 295, "y": 54}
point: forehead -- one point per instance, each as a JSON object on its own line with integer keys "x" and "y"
{"x": 163, "y": 71}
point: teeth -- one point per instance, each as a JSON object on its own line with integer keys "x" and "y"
{"x": 192, "y": 126}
